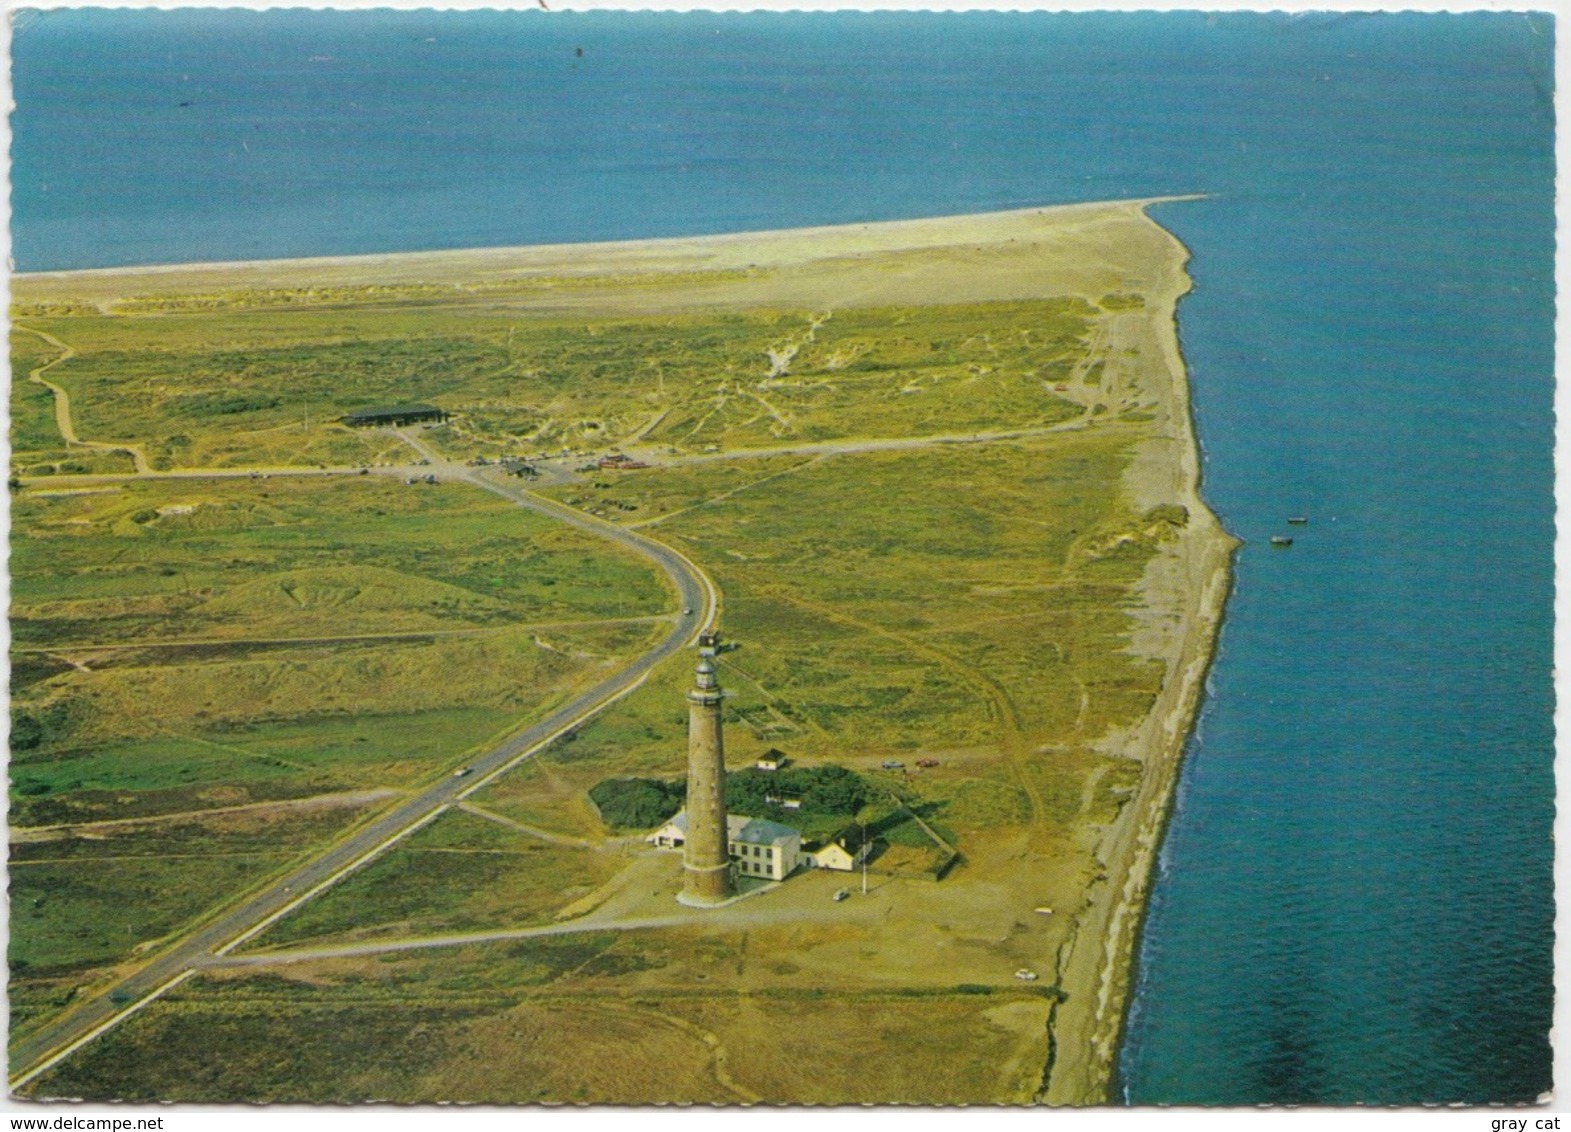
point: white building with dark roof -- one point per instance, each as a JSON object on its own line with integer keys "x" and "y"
{"x": 758, "y": 848}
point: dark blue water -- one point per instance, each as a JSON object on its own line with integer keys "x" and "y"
{"x": 1355, "y": 901}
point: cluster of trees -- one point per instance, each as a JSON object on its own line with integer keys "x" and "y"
{"x": 638, "y": 803}
{"x": 822, "y": 790}
{"x": 643, "y": 803}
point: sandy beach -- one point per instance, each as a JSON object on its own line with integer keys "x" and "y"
{"x": 774, "y": 258}
{"x": 1191, "y": 587}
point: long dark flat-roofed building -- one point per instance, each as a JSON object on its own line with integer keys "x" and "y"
{"x": 393, "y": 415}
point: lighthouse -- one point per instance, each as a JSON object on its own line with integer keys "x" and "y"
{"x": 706, "y": 858}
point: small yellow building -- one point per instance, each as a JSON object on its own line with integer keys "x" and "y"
{"x": 842, "y": 853}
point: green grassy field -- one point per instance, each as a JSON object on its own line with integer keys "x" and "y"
{"x": 884, "y": 604}
{"x": 180, "y": 647}
{"x": 272, "y": 632}
{"x": 295, "y": 557}
{"x": 81, "y": 899}
{"x": 32, "y": 407}
{"x": 226, "y": 388}
{"x": 36, "y": 445}
{"x": 460, "y": 873}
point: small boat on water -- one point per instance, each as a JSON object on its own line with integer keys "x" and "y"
{"x": 1298, "y": 520}
{"x": 1281, "y": 540}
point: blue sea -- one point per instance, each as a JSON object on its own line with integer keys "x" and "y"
{"x": 1355, "y": 900}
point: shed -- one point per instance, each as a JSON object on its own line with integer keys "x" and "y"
{"x": 393, "y": 416}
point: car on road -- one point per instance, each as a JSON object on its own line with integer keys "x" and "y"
{"x": 463, "y": 772}
{"x": 687, "y": 611}
{"x": 841, "y": 894}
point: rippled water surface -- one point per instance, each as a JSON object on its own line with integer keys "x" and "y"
{"x": 1355, "y": 900}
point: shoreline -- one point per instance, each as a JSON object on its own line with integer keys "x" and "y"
{"x": 720, "y": 250}
{"x": 1086, "y": 1031}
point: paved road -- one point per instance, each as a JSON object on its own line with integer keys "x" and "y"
{"x": 36, "y": 1053}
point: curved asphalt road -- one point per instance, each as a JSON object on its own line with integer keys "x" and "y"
{"x": 52, "y": 1044}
